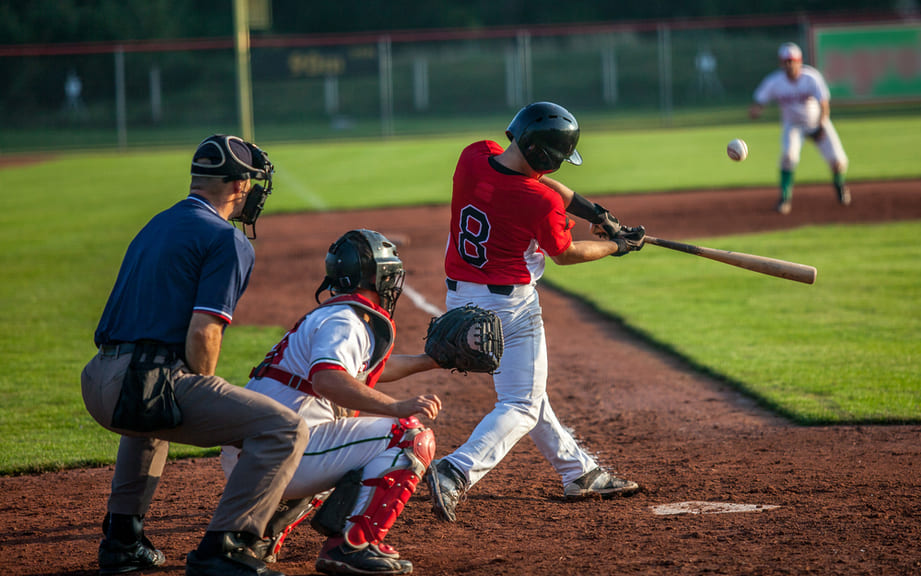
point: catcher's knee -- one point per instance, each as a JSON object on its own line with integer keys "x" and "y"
{"x": 417, "y": 442}
{"x": 332, "y": 514}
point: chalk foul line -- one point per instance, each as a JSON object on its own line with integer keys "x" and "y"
{"x": 420, "y": 301}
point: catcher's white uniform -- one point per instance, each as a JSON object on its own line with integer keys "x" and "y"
{"x": 346, "y": 333}
{"x": 800, "y": 108}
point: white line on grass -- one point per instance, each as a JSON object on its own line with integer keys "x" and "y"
{"x": 303, "y": 192}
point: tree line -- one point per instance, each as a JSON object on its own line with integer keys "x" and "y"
{"x": 60, "y": 21}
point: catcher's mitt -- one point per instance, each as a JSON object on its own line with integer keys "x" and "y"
{"x": 466, "y": 339}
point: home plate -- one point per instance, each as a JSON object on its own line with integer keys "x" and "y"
{"x": 707, "y": 508}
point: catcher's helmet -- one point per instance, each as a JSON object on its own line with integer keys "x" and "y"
{"x": 364, "y": 259}
{"x": 547, "y": 134}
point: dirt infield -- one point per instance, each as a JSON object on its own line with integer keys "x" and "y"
{"x": 847, "y": 497}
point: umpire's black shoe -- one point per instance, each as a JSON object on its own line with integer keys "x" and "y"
{"x": 236, "y": 558}
{"x": 118, "y": 558}
{"x": 340, "y": 557}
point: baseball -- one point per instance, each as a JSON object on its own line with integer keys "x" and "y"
{"x": 737, "y": 150}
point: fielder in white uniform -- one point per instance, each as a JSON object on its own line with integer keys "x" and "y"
{"x": 802, "y": 95}
{"x": 505, "y": 217}
{"x": 324, "y": 369}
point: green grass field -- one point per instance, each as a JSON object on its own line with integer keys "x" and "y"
{"x": 64, "y": 226}
{"x": 842, "y": 350}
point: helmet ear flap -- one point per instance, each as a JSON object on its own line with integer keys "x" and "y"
{"x": 343, "y": 267}
{"x": 539, "y": 159}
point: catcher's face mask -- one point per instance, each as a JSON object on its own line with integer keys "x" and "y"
{"x": 390, "y": 277}
{"x": 364, "y": 259}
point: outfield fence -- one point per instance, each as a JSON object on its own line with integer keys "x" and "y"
{"x": 388, "y": 84}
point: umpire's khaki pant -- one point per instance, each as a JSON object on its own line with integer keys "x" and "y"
{"x": 214, "y": 413}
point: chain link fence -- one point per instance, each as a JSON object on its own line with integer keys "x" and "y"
{"x": 307, "y": 88}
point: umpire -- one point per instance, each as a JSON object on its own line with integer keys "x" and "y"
{"x": 153, "y": 379}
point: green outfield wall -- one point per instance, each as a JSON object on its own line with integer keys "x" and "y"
{"x": 870, "y": 62}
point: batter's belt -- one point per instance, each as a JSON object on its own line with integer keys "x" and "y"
{"x": 500, "y": 289}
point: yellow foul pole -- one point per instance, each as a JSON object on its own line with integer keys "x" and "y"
{"x": 244, "y": 79}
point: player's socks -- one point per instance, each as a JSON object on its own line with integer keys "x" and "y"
{"x": 839, "y": 181}
{"x": 844, "y": 195}
{"x": 786, "y": 185}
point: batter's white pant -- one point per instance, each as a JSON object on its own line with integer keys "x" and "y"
{"x": 522, "y": 405}
{"x": 791, "y": 144}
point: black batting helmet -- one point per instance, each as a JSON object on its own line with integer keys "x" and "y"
{"x": 364, "y": 259}
{"x": 547, "y": 134}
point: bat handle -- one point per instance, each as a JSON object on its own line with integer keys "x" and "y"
{"x": 680, "y": 246}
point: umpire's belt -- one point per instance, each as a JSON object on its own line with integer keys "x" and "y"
{"x": 502, "y": 289}
{"x": 160, "y": 349}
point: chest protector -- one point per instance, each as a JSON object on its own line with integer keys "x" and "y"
{"x": 375, "y": 317}
{"x": 381, "y": 326}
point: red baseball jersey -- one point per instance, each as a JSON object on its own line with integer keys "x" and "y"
{"x": 502, "y": 222}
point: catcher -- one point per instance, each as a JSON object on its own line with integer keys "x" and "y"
{"x": 325, "y": 369}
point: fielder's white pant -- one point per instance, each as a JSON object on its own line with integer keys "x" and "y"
{"x": 791, "y": 144}
{"x": 522, "y": 405}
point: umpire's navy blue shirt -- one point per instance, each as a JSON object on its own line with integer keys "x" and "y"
{"x": 186, "y": 259}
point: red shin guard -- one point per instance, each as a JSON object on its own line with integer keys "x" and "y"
{"x": 393, "y": 490}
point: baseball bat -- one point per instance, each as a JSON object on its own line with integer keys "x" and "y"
{"x": 762, "y": 264}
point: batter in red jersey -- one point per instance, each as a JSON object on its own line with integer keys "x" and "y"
{"x": 506, "y": 217}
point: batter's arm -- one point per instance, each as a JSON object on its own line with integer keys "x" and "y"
{"x": 582, "y": 207}
{"x": 341, "y": 388}
{"x": 563, "y": 190}
{"x": 403, "y": 365}
{"x": 585, "y": 251}
{"x": 203, "y": 343}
